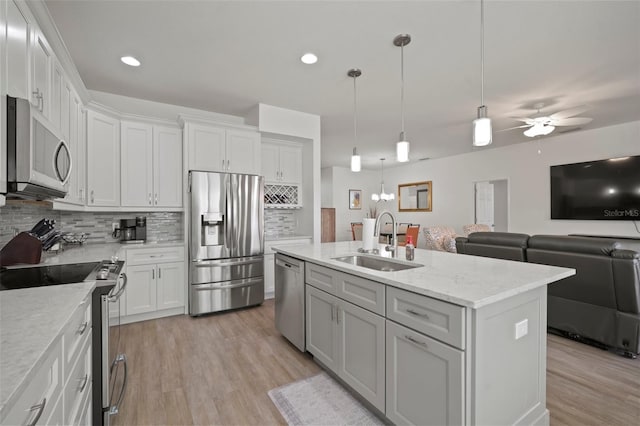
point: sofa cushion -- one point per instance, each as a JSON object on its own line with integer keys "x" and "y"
{"x": 563, "y": 243}
{"x": 511, "y": 239}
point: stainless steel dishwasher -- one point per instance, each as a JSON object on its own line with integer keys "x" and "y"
{"x": 289, "y": 292}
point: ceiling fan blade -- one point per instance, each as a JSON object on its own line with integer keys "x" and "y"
{"x": 525, "y": 120}
{"x": 513, "y": 128}
{"x": 573, "y": 121}
{"x": 569, "y": 112}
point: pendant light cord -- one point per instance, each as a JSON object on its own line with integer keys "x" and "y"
{"x": 402, "y": 87}
{"x": 355, "y": 112}
{"x": 482, "y": 52}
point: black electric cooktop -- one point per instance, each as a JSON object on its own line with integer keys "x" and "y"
{"x": 39, "y": 276}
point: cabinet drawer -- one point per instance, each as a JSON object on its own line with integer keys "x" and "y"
{"x": 360, "y": 291}
{"x": 78, "y": 328}
{"x": 321, "y": 277}
{"x": 44, "y": 387}
{"x": 441, "y": 320}
{"x": 141, "y": 256}
{"x": 78, "y": 385}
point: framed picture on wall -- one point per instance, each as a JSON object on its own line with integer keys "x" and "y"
{"x": 355, "y": 199}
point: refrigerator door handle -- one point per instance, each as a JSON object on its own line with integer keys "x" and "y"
{"x": 226, "y": 262}
{"x": 227, "y": 284}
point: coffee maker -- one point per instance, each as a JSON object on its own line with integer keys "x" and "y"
{"x": 132, "y": 230}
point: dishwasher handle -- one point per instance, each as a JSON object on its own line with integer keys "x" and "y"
{"x": 287, "y": 264}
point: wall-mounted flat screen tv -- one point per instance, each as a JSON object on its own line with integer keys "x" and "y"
{"x": 597, "y": 190}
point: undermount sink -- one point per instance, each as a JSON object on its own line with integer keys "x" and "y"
{"x": 377, "y": 263}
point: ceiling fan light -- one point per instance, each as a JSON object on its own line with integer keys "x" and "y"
{"x": 482, "y": 131}
{"x": 402, "y": 150}
{"x": 547, "y": 129}
{"x": 355, "y": 161}
{"x": 375, "y": 197}
{"x": 532, "y": 131}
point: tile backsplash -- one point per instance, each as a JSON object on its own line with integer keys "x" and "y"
{"x": 22, "y": 216}
{"x": 279, "y": 222}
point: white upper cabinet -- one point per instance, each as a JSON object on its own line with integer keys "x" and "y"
{"x": 41, "y": 60}
{"x": 137, "y": 164}
{"x": 270, "y": 162}
{"x": 206, "y": 148}
{"x": 243, "y": 151}
{"x": 77, "y": 145}
{"x": 216, "y": 149}
{"x": 282, "y": 162}
{"x": 18, "y": 50}
{"x": 167, "y": 166}
{"x": 103, "y": 160}
{"x": 151, "y": 164}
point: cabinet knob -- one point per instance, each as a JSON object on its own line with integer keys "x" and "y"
{"x": 156, "y": 198}
{"x": 92, "y": 198}
{"x": 149, "y": 198}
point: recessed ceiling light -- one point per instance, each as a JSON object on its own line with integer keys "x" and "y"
{"x": 309, "y": 58}
{"x": 130, "y": 60}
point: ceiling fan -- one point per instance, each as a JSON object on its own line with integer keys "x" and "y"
{"x": 542, "y": 125}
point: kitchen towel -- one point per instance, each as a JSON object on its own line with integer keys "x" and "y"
{"x": 368, "y": 226}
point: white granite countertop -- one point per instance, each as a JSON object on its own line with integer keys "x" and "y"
{"x": 80, "y": 253}
{"x": 284, "y": 237}
{"x": 31, "y": 320}
{"x": 471, "y": 281}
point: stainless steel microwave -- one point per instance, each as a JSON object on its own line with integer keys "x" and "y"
{"x": 38, "y": 161}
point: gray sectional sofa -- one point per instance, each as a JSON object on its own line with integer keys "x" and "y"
{"x": 601, "y": 303}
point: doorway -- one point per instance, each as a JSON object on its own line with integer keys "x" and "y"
{"x": 492, "y": 204}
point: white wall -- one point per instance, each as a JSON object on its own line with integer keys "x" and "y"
{"x": 340, "y": 180}
{"x": 528, "y": 175}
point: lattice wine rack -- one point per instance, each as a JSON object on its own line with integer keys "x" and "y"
{"x": 282, "y": 196}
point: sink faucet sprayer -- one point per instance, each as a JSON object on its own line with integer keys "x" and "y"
{"x": 393, "y": 249}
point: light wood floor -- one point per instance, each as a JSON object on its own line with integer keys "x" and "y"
{"x": 218, "y": 369}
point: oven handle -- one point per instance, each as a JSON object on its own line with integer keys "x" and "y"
{"x": 120, "y": 358}
{"x": 105, "y": 350}
{"x": 115, "y": 297}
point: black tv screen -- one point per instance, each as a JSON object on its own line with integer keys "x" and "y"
{"x": 597, "y": 190}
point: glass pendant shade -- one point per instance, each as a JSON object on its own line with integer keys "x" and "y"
{"x": 402, "y": 150}
{"x": 382, "y": 196}
{"x": 355, "y": 161}
{"x": 482, "y": 131}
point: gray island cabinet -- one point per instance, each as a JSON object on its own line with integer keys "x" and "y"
{"x": 457, "y": 340}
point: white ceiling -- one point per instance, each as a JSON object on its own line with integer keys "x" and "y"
{"x": 227, "y": 56}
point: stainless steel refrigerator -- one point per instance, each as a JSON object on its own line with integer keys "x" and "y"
{"x": 226, "y": 241}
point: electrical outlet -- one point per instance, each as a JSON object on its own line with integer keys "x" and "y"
{"x": 522, "y": 328}
{"x": 114, "y": 226}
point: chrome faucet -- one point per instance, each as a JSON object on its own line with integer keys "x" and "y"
{"x": 393, "y": 249}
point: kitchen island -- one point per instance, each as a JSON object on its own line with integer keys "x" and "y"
{"x": 454, "y": 340}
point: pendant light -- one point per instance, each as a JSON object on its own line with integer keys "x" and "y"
{"x": 355, "y": 158}
{"x": 382, "y": 196}
{"x": 482, "y": 125}
{"x": 402, "y": 147}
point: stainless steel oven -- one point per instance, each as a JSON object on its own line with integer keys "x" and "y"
{"x": 38, "y": 160}
{"x": 109, "y": 362}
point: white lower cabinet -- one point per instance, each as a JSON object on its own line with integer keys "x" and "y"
{"x": 155, "y": 283}
{"x": 60, "y": 390}
{"x": 141, "y": 289}
{"x": 348, "y": 340}
{"x": 425, "y": 379}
